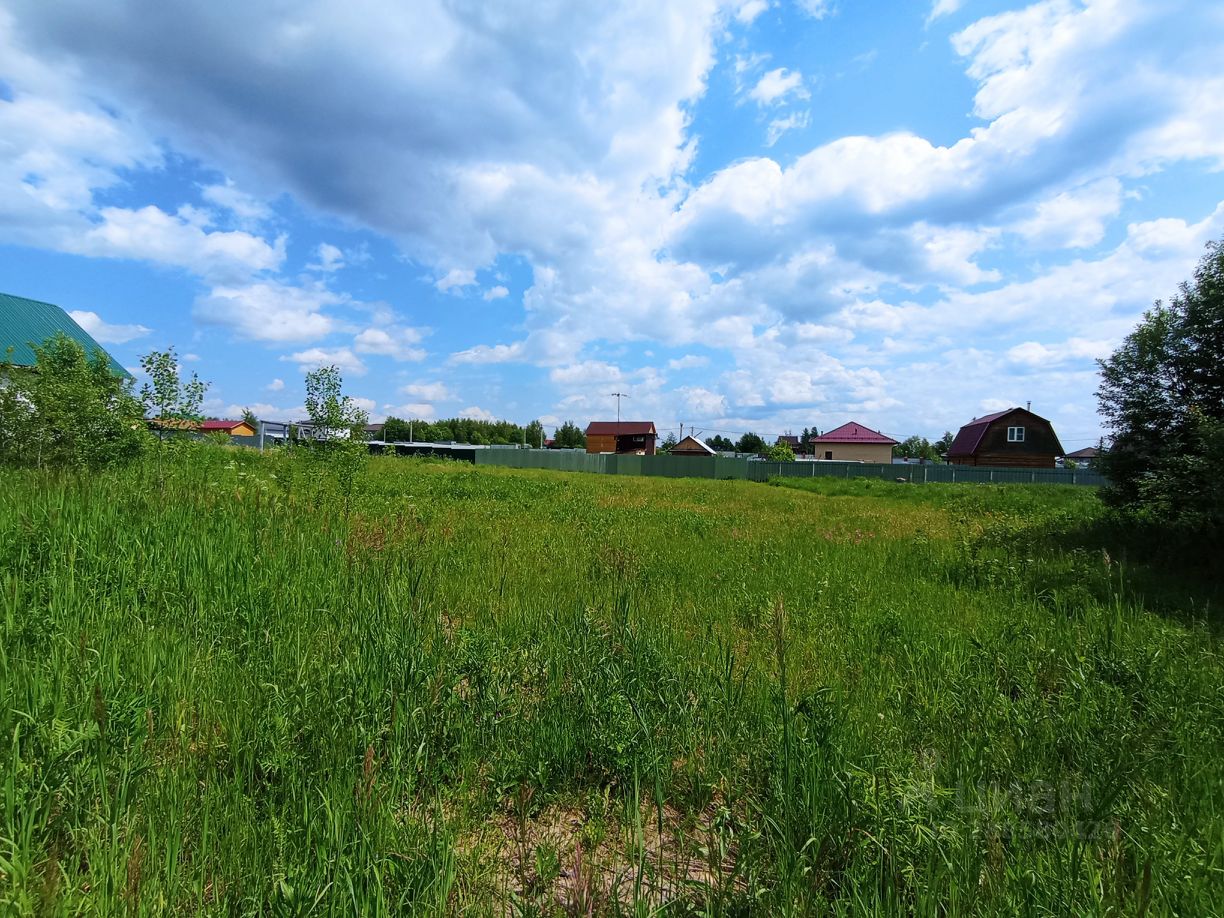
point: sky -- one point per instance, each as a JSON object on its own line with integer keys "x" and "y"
{"x": 755, "y": 215}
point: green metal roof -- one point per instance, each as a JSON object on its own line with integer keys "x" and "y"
{"x": 25, "y": 322}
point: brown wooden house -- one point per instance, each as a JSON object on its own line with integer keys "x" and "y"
{"x": 1012, "y": 438}
{"x": 691, "y": 446}
{"x": 634, "y": 437}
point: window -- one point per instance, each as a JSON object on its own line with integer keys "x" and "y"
{"x": 1015, "y": 435}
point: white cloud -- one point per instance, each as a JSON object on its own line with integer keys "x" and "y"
{"x": 1075, "y": 218}
{"x": 456, "y": 279}
{"x": 340, "y": 357}
{"x": 485, "y": 353}
{"x": 396, "y": 342}
{"x": 748, "y": 10}
{"x": 942, "y": 8}
{"x": 477, "y": 413}
{"x": 817, "y": 9}
{"x": 687, "y": 362}
{"x": 105, "y": 333}
{"x": 428, "y": 391}
{"x": 228, "y": 196}
{"x": 276, "y": 385}
{"x": 779, "y": 126}
{"x": 270, "y": 310}
{"x": 776, "y": 85}
{"x": 328, "y": 258}
{"x": 496, "y": 293}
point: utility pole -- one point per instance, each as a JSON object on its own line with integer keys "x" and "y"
{"x": 410, "y": 440}
{"x": 618, "y": 396}
{"x": 681, "y": 430}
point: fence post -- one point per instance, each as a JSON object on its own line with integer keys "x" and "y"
{"x": 1032, "y": 478}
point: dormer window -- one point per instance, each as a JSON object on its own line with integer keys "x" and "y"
{"x": 1015, "y": 435}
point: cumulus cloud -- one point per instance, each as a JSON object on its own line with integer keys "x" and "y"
{"x": 942, "y": 8}
{"x": 776, "y": 85}
{"x": 270, "y": 310}
{"x": 396, "y": 342}
{"x": 428, "y": 391}
{"x": 496, "y": 293}
{"x": 178, "y": 240}
{"x": 328, "y": 258}
{"x": 476, "y": 413}
{"x": 342, "y": 358}
{"x": 276, "y": 385}
{"x": 104, "y": 332}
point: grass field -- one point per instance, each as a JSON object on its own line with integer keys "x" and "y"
{"x": 496, "y": 692}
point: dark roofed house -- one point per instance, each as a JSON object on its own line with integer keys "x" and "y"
{"x": 853, "y": 442}
{"x": 792, "y": 441}
{"x": 636, "y": 437}
{"x": 1085, "y": 457}
{"x": 1014, "y": 438}
{"x": 25, "y": 322}
{"x": 691, "y": 446}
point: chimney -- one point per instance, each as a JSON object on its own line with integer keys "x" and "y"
{"x": 1028, "y": 406}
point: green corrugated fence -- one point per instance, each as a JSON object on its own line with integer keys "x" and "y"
{"x": 719, "y": 467}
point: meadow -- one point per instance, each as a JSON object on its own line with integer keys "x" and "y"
{"x": 484, "y": 691}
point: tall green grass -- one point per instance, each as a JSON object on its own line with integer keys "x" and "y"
{"x": 496, "y": 692}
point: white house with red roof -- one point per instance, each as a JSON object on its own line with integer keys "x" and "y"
{"x": 853, "y": 442}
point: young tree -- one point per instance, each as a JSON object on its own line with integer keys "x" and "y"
{"x": 780, "y": 452}
{"x": 1162, "y": 397}
{"x": 669, "y": 443}
{"x": 166, "y": 396}
{"x": 69, "y": 410}
{"x": 249, "y": 417}
{"x": 335, "y": 417}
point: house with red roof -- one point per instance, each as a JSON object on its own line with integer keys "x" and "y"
{"x": 853, "y": 442}
{"x": 633, "y": 437}
{"x": 1015, "y": 438}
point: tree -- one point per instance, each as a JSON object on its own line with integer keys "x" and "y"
{"x": 248, "y": 416}
{"x": 534, "y": 435}
{"x": 780, "y": 452}
{"x": 944, "y": 443}
{"x": 669, "y": 443}
{"x": 720, "y": 443}
{"x": 915, "y": 447}
{"x": 335, "y": 417}
{"x": 166, "y": 396}
{"x": 570, "y": 436}
{"x": 750, "y": 443}
{"x": 396, "y": 429}
{"x": 70, "y": 409}
{"x": 1162, "y": 397}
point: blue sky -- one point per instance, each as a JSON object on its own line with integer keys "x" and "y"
{"x": 753, "y": 215}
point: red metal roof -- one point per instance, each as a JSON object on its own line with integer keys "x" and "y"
{"x": 220, "y": 425}
{"x": 620, "y": 428}
{"x": 970, "y": 436}
{"x": 854, "y": 432}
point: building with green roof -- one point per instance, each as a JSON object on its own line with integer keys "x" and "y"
{"x": 25, "y": 322}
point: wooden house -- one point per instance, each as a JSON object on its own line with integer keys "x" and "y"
{"x": 691, "y": 446}
{"x": 1014, "y": 438}
{"x": 634, "y": 437}
{"x": 230, "y": 428}
{"x": 853, "y": 442}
